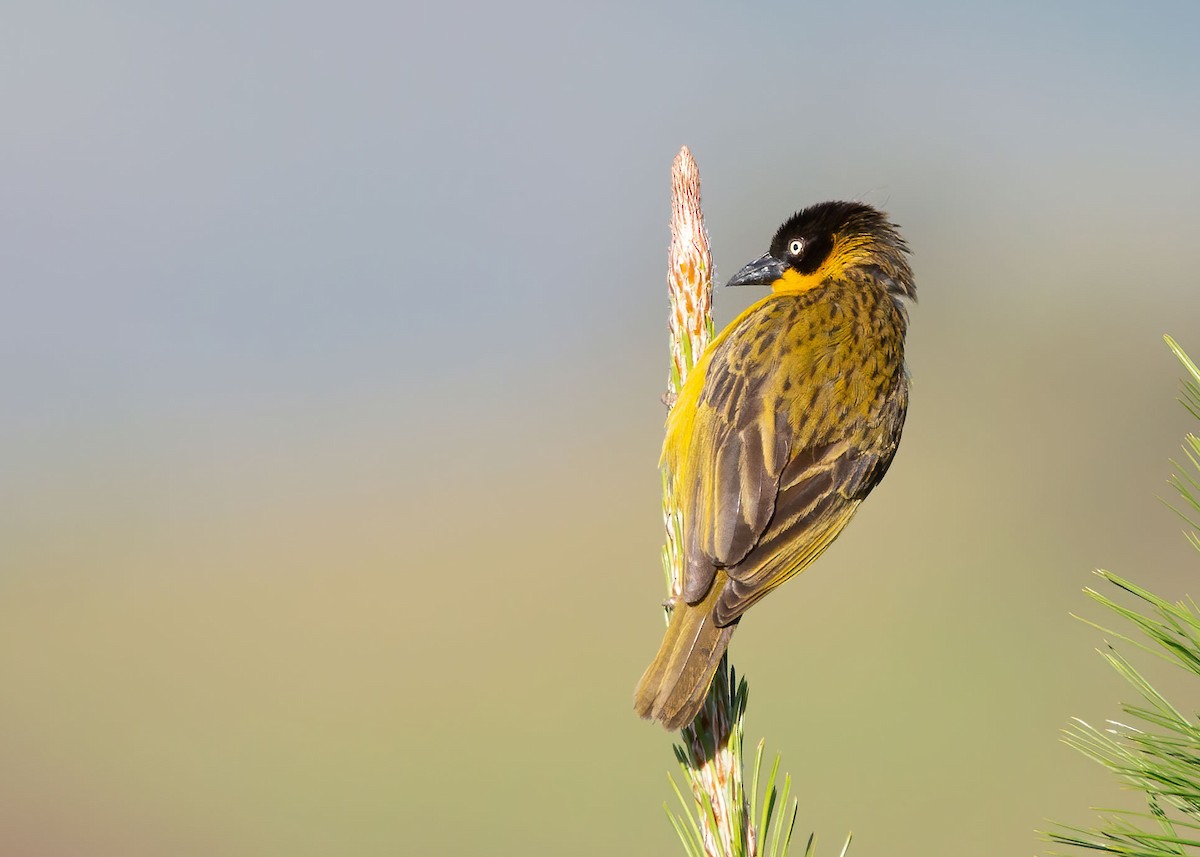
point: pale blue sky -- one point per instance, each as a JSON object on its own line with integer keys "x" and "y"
{"x": 259, "y": 196}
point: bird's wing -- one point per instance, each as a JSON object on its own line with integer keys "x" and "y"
{"x": 763, "y": 496}
{"x": 819, "y": 492}
{"x": 734, "y": 451}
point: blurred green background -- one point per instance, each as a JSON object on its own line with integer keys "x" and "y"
{"x": 333, "y": 339}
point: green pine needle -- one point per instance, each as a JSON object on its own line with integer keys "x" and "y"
{"x": 1159, "y": 757}
{"x": 773, "y": 833}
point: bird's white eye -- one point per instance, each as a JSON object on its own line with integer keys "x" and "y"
{"x": 796, "y": 247}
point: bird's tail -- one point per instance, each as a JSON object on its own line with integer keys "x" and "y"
{"x": 674, "y": 685}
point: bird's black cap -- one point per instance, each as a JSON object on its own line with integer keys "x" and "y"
{"x": 806, "y": 239}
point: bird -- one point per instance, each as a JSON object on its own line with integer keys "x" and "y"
{"x": 789, "y": 418}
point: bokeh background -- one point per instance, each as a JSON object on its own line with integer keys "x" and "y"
{"x": 332, "y": 343}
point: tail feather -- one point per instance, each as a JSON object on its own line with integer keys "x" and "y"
{"x": 673, "y": 688}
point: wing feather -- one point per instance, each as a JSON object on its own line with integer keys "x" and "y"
{"x": 810, "y": 512}
{"x": 766, "y": 474}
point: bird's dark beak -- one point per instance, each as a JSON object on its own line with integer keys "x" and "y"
{"x": 761, "y": 272}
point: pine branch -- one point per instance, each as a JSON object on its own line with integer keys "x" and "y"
{"x": 718, "y": 822}
{"x": 1159, "y": 757}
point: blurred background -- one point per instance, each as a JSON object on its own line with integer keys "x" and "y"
{"x": 332, "y": 346}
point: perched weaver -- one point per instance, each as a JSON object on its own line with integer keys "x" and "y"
{"x": 785, "y": 424}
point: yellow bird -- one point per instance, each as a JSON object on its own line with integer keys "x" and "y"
{"x": 785, "y": 424}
